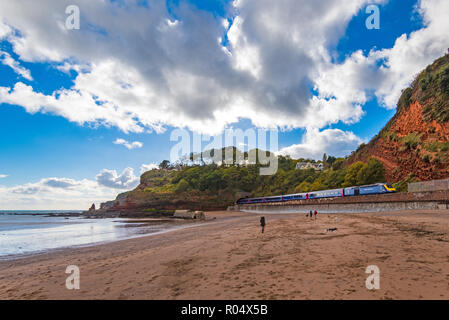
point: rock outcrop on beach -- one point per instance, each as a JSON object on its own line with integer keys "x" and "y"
{"x": 158, "y": 194}
{"x": 415, "y": 142}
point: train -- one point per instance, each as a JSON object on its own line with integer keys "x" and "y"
{"x": 377, "y": 188}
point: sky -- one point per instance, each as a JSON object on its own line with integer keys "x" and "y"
{"x": 84, "y": 111}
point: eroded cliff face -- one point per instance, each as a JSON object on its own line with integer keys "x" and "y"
{"x": 411, "y": 145}
{"x": 416, "y": 140}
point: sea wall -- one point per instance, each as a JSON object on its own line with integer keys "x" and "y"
{"x": 433, "y": 185}
{"x": 373, "y": 203}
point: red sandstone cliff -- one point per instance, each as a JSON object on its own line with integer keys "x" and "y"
{"x": 416, "y": 140}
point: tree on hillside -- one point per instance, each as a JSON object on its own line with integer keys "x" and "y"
{"x": 330, "y": 160}
{"x": 165, "y": 164}
{"x": 351, "y": 174}
{"x": 325, "y": 161}
{"x": 303, "y": 187}
{"x": 318, "y": 185}
{"x": 182, "y": 186}
{"x": 333, "y": 179}
{"x": 211, "y": 181}
{"x": 371, "y": 172}
{"x": 338, "y": 164}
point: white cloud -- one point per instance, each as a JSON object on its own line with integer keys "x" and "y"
{"x": 110, "y": 179}
{"x": 65, "y": 193}
{"x": 412, "y": 54}
{"x": 7, "y": 60}
{"x": 67, "y": 66}
{"x": 2, "y": 176}
{"x": 129, "y": 145}
{"x": 360, "y": 74}
{"x": 62, "y": 183}
{"x": 4, "y": 30}
{"x": 177, "y": 73}
{"x": 147, "y": 167}
{"x": 347, "y": 86}
{"x": 315, "y": 143}
{"x": 54, "y": 193}
{"x": 47, "y": 184}
{"x": 77, "y": 106}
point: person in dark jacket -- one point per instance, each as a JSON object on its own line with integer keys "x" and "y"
{"x": 262, "y": 223}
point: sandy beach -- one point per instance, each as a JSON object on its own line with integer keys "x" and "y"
{"x": 228, "y": 258}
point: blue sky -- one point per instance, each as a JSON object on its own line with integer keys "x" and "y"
{"x": 263, "y": 69}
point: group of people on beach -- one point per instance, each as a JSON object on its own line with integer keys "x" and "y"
{"x": 314, "y": 214}
{"x": 310, "y": 214}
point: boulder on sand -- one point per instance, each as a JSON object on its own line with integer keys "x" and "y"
{"x": 199, "y": 215}
{"x": 188, "y": 214}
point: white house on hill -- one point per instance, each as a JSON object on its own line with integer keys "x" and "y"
{"x": 309, "y": 165}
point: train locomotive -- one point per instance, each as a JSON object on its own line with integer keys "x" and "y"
{"x": 378, "y": 188}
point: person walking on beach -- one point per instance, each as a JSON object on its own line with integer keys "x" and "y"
{"x": 262, "y": 223}
{"x": 310, "y": 213}
{"x": 315, "y": 214}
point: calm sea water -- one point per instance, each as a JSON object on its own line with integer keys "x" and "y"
{"x": 28, "y": 232}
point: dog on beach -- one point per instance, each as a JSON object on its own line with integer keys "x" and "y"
{"x": 331, "y": 230}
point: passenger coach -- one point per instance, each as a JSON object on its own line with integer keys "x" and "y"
{"x": 378, "y": 188}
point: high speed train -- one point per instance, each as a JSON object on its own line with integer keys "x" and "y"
{"x": 378, "y": 188}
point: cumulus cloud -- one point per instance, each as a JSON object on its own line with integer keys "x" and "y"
{"x": 62, "y": 183}
{"x": 158, "y": 71}
{"x": 4, "y": 30}
{"x": 315, "y": 143}
{"x": 27, "y": 189}
{"x": 140, "y": 68}
{"x": 129, "y": 145}
{"x": 48, "y": 185}
{"x": 110, "y": 179}
{"x": 387, "y": 72}
{"x": 2, "y": 176}
{"x": 77, "y": 106}
{"x": 7, "y": 60}
{"x": 66, "y": 193}
{"x": 147, "y": 167}
{"x": 54, "y": 193}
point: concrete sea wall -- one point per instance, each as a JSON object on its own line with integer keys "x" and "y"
{"x": 374, "y": 203}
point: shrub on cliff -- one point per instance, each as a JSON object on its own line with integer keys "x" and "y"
{"x": 432, "y": 90}
{"x": 404, "y": 100}
{"x": 412, "y": 140}
{"x": 182, "y": 186}
{"x": 402, "y": 186}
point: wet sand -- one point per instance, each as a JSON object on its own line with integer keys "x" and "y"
{"x": 229, "y": 258}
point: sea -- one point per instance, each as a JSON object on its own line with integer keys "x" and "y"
{"x": 25, "y": 233}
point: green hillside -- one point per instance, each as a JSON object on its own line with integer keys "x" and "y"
{"x": 212, "y": 186}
